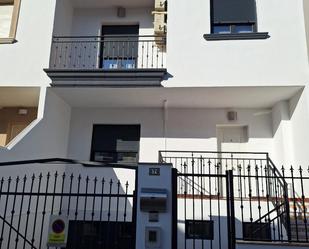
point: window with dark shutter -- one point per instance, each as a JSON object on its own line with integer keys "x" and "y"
{"x": 234, "y": 20}
{"x": 115, "y": 143}
{"x": 233, "y": 16}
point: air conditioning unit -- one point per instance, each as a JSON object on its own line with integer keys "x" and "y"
{"x": 160, "y": 5}
{"x": 159, "y": 23}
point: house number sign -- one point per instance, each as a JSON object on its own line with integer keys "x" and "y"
{"x": 154, "y": 171}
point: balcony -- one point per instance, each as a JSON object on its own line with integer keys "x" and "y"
{"x": 109, "y": 60}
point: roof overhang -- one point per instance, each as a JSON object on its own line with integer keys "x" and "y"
{"x": 177, "y": 97}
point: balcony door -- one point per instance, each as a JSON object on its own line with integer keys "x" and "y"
{"x": 119, "y": 46}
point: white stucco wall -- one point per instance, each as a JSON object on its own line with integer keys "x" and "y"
{"x": 89, "y": 21}
{"x": 186, "y": 129}
{"x": 48, "y": 138}
{"x": 22, "y": 63}
{"x": 279, "y": 60}
{"x": 299, "y": 118}
{"x": 63, "y": 18}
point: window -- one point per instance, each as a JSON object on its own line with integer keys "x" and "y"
{"x": 199, "y": 229}
{"x": 100, "y": 234}
{"x": 115, "y": 143}
{"x": 9, "y": 10}
{"x": 234, "y": 19}
{"x": 119, "y": 47}
{"x": 236, "y": 15}
{"x": 256, "y": 231}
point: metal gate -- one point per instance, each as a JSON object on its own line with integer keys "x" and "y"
{"x": 100, "y": 207}
{"x": 205, "y": 209}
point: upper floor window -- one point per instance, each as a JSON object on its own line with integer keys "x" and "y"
{"x": 233, "y": 16}
{"x": 234, "y": 19}
{"x": 9, "y": 10}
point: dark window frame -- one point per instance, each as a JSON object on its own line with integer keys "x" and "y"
{"x": 121, "y": 61}
{"x": 234, "y": 35}
{"x": 260, "y": 234}
{"x": 207, "y": 236}
{"x": 113, "y": 152}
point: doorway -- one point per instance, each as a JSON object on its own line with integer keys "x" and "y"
{"x": 119, "y": 49}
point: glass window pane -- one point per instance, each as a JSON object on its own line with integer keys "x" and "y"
{"x": 221, "y": 29}
{"x": 243, "y": 28}
{"x": 6, "y": 12}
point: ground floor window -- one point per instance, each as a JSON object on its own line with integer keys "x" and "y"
{"x": 115, "y": 143}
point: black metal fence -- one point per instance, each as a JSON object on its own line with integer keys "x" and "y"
{"x": 100, "y": 209}
{"x": 108, "y": 52}
{"x": 267, "y": 203}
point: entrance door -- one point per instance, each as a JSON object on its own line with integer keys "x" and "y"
{"x": 119, "y": 47}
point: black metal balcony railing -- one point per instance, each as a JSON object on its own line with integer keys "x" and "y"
{"x": 108, "y": 52}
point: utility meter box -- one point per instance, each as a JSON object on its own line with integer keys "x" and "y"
{"x": 153, "y": 200}
{"x": 155, "y": 207}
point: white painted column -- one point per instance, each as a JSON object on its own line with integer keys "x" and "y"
{"x": 282, "y": 135}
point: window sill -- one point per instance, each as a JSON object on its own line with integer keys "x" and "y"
{"x": 243, "y": 36}
{"x": 7, "y": 40}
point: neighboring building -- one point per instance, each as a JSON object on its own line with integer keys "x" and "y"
{"x": 118, "y": 81}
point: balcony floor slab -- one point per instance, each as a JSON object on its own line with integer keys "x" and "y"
{"x": 106, "y": 78}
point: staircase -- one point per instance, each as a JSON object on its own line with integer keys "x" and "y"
{"x": 299, "y": 231}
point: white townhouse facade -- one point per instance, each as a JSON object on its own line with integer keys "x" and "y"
{"x": 216, "y": 82}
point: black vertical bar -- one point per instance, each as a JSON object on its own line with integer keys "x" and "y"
{"x": 20, "y": 209}
{"x": 185, "y": 201}
{"x": 174, "y": 209}
{"x": 54, "y": 191}
{"x": 241, "y": 194}
{"x": 210, "y": 195}
{"x": 294, "y": 202}
{"x": 232, "y": 210}
{"x": 219, "y": 206}
{"x": 117, "y": 200}
{"x": 258, "y": 191}
{"x": 85, "y": 201}
{"x": 77, "y": 197}
{"x": 28, "y": 210}
{"x": 267, "y": 187}
{"x": 116, "y": 221}
{"x": 134, "y": 211}
{"x": 109, "y": 200}
{"x": 228, "y": 208}
{"x": 303, "y": 201}
{"x": 277, "y": 203}
{"x": 70, "y": 192}
{"x": 193, "y": 199}
{"x": 101, "y": 213}
{"x": 12, "y": 212}
{"x": 36, "y": 211}
{"x": 125, "y": 202}
{"x": 287, "y": 207}
{"x": 61, "y": 196}
{"x": 94, "y": 196}
{"x": 202, "y": 199}
{"x": 109, "y": 211}
{"x": 5, "y": 210}
{"x": 44, "y": 208}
